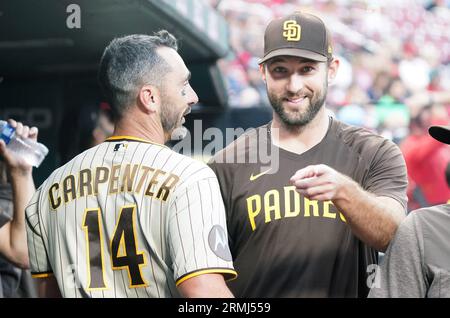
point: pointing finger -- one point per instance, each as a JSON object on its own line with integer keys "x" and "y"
{"x": 307, "y": 172}
{"x": 307, "y": 183}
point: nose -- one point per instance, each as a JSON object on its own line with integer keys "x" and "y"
{"x": 193, "y": 98}
{"x": 295, "y": 83}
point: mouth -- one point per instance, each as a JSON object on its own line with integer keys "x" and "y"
{"x": 187, "y": 112}
{"x": 297, "y": 100}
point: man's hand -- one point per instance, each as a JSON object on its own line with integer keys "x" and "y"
{"x": 15, "y": 163}
{"x": 374, "y": 219}
{"x": 319, "y": 182}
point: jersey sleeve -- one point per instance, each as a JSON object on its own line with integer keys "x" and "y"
{"x": 402, "y": 272}
{"x": 197, "y": 230}
{"x": 39, "y": 264}
{"x": 387, "y": 174}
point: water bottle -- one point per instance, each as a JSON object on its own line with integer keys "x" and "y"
{"x": 31, "y": 151}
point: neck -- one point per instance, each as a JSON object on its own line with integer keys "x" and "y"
{"x": 144, "y": 127}
{"x": 301, "y": 138}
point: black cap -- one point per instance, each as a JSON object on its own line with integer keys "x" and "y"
{"x": 298, "y": 34}
{"x": 440, "y": 133}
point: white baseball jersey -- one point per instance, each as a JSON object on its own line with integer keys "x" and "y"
{"x": 128, "y": 218}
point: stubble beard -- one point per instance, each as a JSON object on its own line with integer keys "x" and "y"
{"x": 298, "y": 120}
{"x": 170, "y": 121}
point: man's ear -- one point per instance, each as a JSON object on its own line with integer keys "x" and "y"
{"x": 332, "y": 70}
{"x": 262, "y": 69}
{"x": 149, "y": 98}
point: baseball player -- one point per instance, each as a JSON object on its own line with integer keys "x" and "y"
{"x": 310, "y": 225}
{"x": 14, "y": 197}
{"x": 417, "y": 263}
{"x": 130, "y": 217}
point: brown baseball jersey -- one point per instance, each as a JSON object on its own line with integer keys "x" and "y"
{"x": 128, "y": 218}
{"x": 285, "y": 245}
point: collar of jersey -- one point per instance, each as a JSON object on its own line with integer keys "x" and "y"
{"x": 131, "y": 138}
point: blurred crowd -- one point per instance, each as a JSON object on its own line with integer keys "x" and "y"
{"x": 394, "y": 76}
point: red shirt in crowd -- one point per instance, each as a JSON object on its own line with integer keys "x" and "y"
{"x": 426, "y": 161}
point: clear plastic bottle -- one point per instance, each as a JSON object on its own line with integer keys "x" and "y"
{"x": 31, "y": 151}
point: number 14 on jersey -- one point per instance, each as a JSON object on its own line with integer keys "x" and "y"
{"x": 122, "y": 248}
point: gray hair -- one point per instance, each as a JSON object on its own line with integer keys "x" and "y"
{"x": 130, "y": 62}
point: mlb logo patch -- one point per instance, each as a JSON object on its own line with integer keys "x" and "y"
{"x": 121, "y": 147}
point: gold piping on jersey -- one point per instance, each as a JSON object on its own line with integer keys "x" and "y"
{"x": 131, "y": 138}
{"x": 42, "y": 275}
{"x": 208, "y": 271}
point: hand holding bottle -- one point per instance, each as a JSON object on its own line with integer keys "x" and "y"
{"x": 19, "y": 148}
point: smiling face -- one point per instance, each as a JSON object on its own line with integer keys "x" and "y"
{"x": 296, "y": 87}
{"x": 177, "y": 95}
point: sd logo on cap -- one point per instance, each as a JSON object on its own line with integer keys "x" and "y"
{"x": 298, "y": 34}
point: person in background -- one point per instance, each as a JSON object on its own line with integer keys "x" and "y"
{"x": 417, "y": 262}
{"x": 88, "y": 126}
{"x": 16, "y": 190}
{"x": 426, "y": 159}
{"x": 104, "y": 127}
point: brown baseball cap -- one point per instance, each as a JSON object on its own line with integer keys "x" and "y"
{"x": 298, "y": 34}
{"x": 440, "y": 133}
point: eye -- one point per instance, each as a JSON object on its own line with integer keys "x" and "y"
{"x": 279, "y": 70}
{"x": 307, "y": 69}
{"x": 185, "y": 86}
